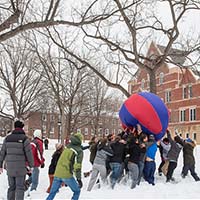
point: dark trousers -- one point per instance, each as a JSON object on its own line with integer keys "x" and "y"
{"x": 16, "y": 188}
{"x": 190, "y": 168}
{"x": 172, "y": 166}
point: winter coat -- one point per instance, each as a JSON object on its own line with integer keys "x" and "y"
{"x": 93, "y": 151}
{"x": 175, "y": 149}
{"x": 54, "y": 160}
{"x": 118, "y": 152}
{"x": 188, "y": 151}
{"x": 16, "y": 151}
{"x": 165, "y": 150}
{"x": 70, "y": 160}
{"x": 37, "y": 150}
{"x": 102, "y": 154}
{"x": 134, "y": 152}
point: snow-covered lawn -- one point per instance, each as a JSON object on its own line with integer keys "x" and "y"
{"x": 185, "y": 189}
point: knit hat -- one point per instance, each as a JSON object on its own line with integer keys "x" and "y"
{"x": 188, "y": 140}
{"x": 37, "y": 133}
{"x": 79, "y": 136}
{"x": 151, "y": 137}
{"x": 18, "y": 124}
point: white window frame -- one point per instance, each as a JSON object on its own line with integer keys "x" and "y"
{"x": 142, "y": 84}
{"x": 189, "y": 91}
{"x": 161, "y": 78}
{"x": 182, "y": 115}
{"x": 168, "y": 96}
{"x": 184, "y": 92}
{"x": 192, "y": 114}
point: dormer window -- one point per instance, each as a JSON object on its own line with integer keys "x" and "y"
{"x": 142, "y": 84}
{"x": 161, "y": 78}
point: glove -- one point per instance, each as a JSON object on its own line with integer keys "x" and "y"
{"x": 42, "y": 165}
{"x": 80, "y": 183}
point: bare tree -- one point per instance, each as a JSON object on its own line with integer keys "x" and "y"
{"x": 20, "y": 83}
{"x": 17, "y": 16}
{"x": 67, "y": 84}
{"x": 120, "y": 38}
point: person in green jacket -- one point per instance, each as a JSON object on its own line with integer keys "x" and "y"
{"x": 69, "y": 164}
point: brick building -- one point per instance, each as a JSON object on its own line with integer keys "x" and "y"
{"x": 50, "y": 124}
{"x": 179, "y": 89}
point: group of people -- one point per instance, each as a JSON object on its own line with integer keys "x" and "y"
{"x": 129, "y": 155}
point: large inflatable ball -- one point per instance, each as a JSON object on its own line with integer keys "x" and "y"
{"x": 148, "y": 110}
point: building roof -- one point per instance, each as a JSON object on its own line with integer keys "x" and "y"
{"x": 176, "y": 55}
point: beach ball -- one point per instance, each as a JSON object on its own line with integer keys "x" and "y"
{"x": 148, "y": 110}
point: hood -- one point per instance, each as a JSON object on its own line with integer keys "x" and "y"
{"x": 76, "y": 138}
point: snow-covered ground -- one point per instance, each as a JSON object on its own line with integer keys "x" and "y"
{"x": 185, "y": 189}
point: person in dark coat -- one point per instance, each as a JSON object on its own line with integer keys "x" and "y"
{"x": 93, "y": 148}
{"x": 115, "y": 162}
{"x": 52, "y": 166}
{"x": 188, "y": 158}
{"x": 173, "y": 155}
{"x": 46, "y": 143}
{"x": 16, "y": 151}
{"x": 135, "y": 149}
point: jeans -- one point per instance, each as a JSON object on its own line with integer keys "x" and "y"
{"x": 34, "y": 178}
{"x": 149, "y": 170}
{"x": 116, "y": 172}
{"x": 141, "y": 168}
{"x": 71, "y": 182}
{"x": 16, "y": 188}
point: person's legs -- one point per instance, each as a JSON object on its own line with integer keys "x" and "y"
{"x": 71, "y": 182}
{"x": 141, "y": 168}
{"x": 116, "y": 172}
{"x": 34, "y": 178}
{"x": 54, "y": 188}
{"x": 171, "y": 168}
{"x": 19, "y": 191}
{"x": 51, "y": 176}
{"x": 11, "y": 188}
{"x": 134, "y": 172}
{"x": 193, "y": 173}
{"x": 93, "y": 177}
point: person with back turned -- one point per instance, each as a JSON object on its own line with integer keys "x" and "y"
{"x": 16, "y": 152}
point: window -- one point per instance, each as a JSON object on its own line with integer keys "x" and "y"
{"x": 78, "y": 130}
{"x": 192, "y": 114}
{"x": 161, "y": 78}
{"x": 190, "y": 91}
{"x": 44, "y": 117}
{"x": 194, "y": 136}
{"x": 168, "y": 96}
{"x": 107, "y": 131}
{"x": 142, "y": 84}
{"x": 52, "y": 117}
{"x": 184, "y": 92}
{"x": 182, "y": 115}
{"x": 51, "y": 128}
{"x": 86, "y": 131}
{"x": 187, "y": 135}
{"x": 44, "y": 128}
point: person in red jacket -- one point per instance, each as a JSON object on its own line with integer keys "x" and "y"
{"x": 37, "y": 150}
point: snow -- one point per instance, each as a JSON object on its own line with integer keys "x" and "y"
{"x": 185, "y": 188}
